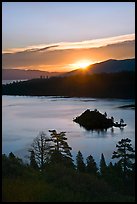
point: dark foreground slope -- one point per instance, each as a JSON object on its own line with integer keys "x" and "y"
{"x": 58, "y": 183}
{"x": 110, "y": 85}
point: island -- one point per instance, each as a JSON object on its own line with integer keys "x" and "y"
{"x": 91, "y": 120}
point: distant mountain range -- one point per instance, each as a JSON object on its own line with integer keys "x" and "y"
{"x": 113, "y": 66}
{"x": 16, "y": 74}
{"x": 109, "y": 66}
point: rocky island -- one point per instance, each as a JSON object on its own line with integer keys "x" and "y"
{"x": 91, "y": 120}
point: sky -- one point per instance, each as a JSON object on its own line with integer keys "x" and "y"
{"x": 59, "y": 36}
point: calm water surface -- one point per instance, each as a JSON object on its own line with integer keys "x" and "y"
{"x": 6, "y": 81}
{"x": 24, "y": 117}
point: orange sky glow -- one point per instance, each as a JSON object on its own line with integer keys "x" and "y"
{"x": 67, "y": 56}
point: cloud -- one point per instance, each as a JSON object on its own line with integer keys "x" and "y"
{"x": 59, "y": 56}
{"x": 74, "y": 45}
{"x": 29, "y": 49}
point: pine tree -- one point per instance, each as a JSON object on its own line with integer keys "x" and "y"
{"x": 14, "y": 159}
{"x": 60, "y": 150}
{"x": 80, "y": 162}
{"x": 121, "y": 121}
{"x": 91, "y": 166}
{"x": 125, "y": 154}
{"x": 112, "y": 118}
{"x": 103, "y": 166}
{"x": 11, "y": 156}
{"x": 105, "y": 114}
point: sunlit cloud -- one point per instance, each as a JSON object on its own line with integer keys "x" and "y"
{"x": 33, "y": 48}
{"x": 95, "y": 43}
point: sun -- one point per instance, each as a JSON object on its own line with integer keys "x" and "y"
{"x": 83, "y": 64}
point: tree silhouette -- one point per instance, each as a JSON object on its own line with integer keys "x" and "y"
{"x": 125, "y": 153}
{"x": 121, "y": 121}
{"x": 91, "y": 166}
{"x": 11, "y": 156}
{"x": 40, "y": 148}
{"x": 33, "y": 162}
{"x": 60, "y": 150}
{"x": 105, "y": 114}
{"x": 112, "y": 118}
{"x": 110, "y": 168}
{"x": 14, "y": 159}
{"x": 12, "y": 166}
{"x": 103, "y": 165}
{"x": 80, "y": 162}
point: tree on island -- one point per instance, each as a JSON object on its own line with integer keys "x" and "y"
{"x": 105, "y": 114}
{"x": 112, "y": 118}
{"x": 121, "y": 121}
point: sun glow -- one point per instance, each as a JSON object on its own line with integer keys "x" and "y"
{"x": 82, "y": 64}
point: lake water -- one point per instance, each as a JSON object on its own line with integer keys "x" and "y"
{"x": 23, "y": 117}
{"x": 11, "y": 81}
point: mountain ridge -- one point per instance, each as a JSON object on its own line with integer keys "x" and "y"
{"x": 107, "y": 66}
